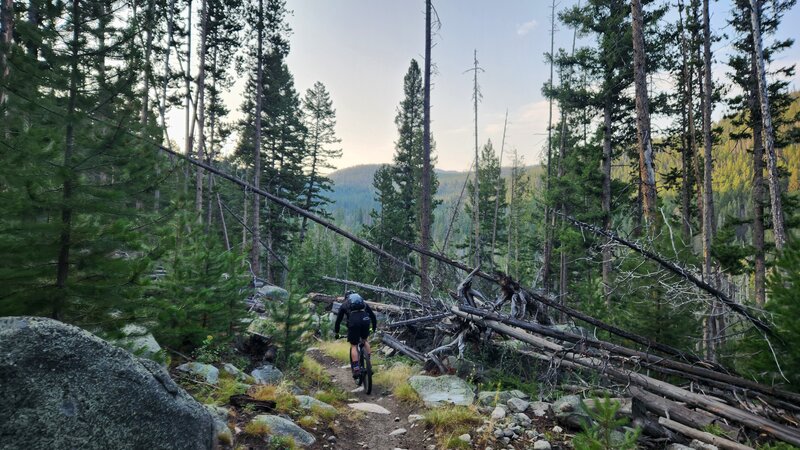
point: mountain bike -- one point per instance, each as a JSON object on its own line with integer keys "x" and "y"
{"x": 365, "y": 376}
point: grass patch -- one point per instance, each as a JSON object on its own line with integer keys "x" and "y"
{"x": 332, "y": 396}
{"x": 307, "y": 422}
{"x": 394, "y": 376}
{"x": 312, "y": 372}
{"x": 449, "y": 422}
{"x": 256, "y": 428}
{"x": 449, "y": 419}
{"x": 406, "y": 394}
{"x": 221, "y": 393}
{"x": 285, "y": 401}
{"x": 455, "y": 442}
{"x": 338, "y": 350}
{"x": 282, "y": 443}
{"x": 323, "y": 414}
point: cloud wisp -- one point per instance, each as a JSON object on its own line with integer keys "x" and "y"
{"x": 526, "y": 27}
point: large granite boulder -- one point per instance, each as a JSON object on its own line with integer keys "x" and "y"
{"x": 267, "y": 374}
{"x": 63, "y": 387}
{"x": 436, "y": 391}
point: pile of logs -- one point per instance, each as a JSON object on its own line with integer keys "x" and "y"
{"x": 676, "y": 395}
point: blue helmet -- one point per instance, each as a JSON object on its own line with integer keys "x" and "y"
{"x": 356, "y": 301}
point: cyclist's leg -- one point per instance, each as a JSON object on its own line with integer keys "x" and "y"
{"x": 353, "y": 338}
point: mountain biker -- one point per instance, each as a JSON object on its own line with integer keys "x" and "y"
{"x": 359, "y": 315}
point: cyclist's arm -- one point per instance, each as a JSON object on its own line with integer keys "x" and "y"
{"x": 339, "y": 318}
{"x": 372, "y": 318}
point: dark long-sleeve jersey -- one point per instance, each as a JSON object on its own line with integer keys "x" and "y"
{"x": 344, "y": 310}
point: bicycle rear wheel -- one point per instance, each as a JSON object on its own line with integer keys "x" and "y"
{"x": 366, "y": 372}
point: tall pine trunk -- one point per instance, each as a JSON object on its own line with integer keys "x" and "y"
{"x": 646, "y": 169}
{"x": 687, "y": 132}
{"x": 548, "y": 229}
{"x": 500, "y": 182}
{"x": 6, "y": 36}
{"x": 758, "y": 188}
{"x": 425, "y": 232}
{"x": 476, "y": 215}
{"x": 62, "y": 265}
{"x": 778, "y": 227}
{"x": 606, "y": 200}
{"x": 255, "y": 250}
{"x": 201, "y": 109}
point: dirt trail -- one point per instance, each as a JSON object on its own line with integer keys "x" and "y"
{"x": 356, "y": 430}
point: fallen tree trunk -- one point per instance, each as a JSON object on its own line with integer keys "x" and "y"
{"x": 674, "y": 268}
{"x": 390, "y": 341}
{"x": 781, "y": 432}
{"x": 330, "y": 299}
{"x": 702, "y": 435}
{"x": 418, "y": 320}
{"x": 647, "y": 343}
{"x": 647, "y": 359}
{"x": 677, "y": 412}
{"x": 380, "y": 290}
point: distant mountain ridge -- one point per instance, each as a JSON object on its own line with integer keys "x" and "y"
{"x": 354, "y": 194}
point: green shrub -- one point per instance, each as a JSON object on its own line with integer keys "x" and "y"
{"x": 601, "y": 433}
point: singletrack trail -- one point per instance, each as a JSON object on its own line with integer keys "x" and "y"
{"x": 369, "y": 430}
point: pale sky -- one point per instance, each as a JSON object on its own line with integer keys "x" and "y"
{"x": 361, "y": 49}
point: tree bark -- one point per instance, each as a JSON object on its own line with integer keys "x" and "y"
{"x": 500, "y": 182}
{"x": 425, "y": 232}
{"x": 6, "y": 36}
{"x": 201, "y": 108}
{"x": 62, "y": 265}
{"x": 778, "y": 227}
{"x": 758, "y": 189}
{"x": 255, "y": 251}
{"x": 687, "y": 138}
{"x": 646, "y": 169}
{"x": 476, "y": 216}
{"x": 606, "y": 200}
{"x": 548, "y": 229}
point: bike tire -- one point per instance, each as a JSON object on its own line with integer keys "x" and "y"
{"x": 367, "y": 375}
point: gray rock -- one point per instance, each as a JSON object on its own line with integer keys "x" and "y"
{"x": 436, "y": 391}
{"x": 465, "y": 438}
{"x": 498, "y": 413}
{"x": 398, "y": 432}
{"x": 522, "y": 419}
{"x": 285, "y": 427}
{"x": 369, "y": 407}
{"x": 699, "y": 445}
{"x": 207, "y": 372}
{"x": 63, "y": 387}
{"x": 221, "y": 431}
{"x": 415, "y": 418}
{"x": 272, "y": 293}
{"x": 540, "y": 408}
{"x": 267, "y": 374}
{"x": 492, "y": 398}
{"x": 569, "y": 412}
{"x": 678, "y": 447}
{"x": 234, "y": 371}
{"x": 517, "y": 405}
{"x": 140, "y": 342}
{"x": 307, "y": 402}
{"x": 541, "y": 444}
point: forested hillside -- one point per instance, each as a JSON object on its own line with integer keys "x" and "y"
{"x": 181, "y": 240}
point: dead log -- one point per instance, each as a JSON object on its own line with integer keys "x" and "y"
{"x": 679, "y": 413}
{"x": 702, "y": 435}
{"x": 378, "y": 289}
{"x": 647, "y": 343}
{"x": 418, "y": 320}
{"x": 721, "y": 380}
{"x": 240, "y": 401}
{"x": 331, "y": 299}
{"x": 390, "y": 341}
{"x": 753, "y": 421}
{"x": 676, "y": 269}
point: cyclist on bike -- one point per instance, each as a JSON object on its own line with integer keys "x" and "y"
{"x": 359, "y": 315}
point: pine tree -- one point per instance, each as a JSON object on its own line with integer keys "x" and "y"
{"x": 489, "y": 178}
{"x": 398, "y": 188}
{"x": 293, "y": 321}
{"x": 320, "y": 120}
{"x": 74, "y": 183}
